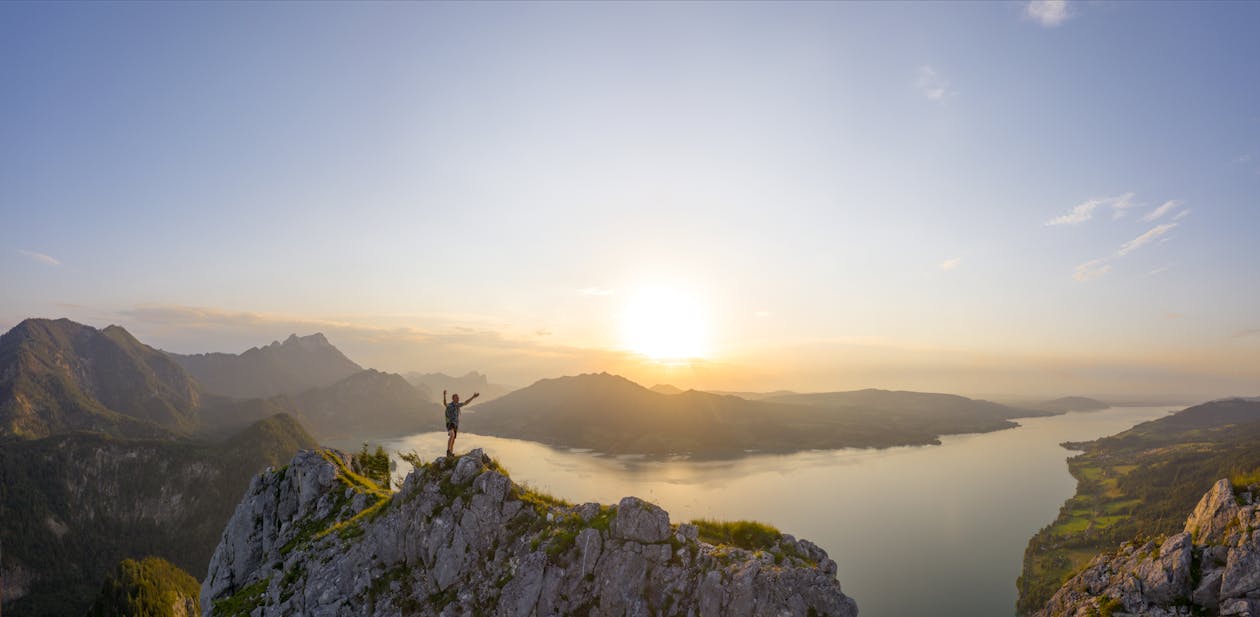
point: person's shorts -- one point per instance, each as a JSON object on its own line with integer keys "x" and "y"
{"x": 452, "y": 426}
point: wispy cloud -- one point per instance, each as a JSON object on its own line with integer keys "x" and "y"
{"x": 1080, "y": 213}
{"x": 1163, "y": 209}
{"x": 950, "y": 264}
{"x": 40, "y": 257}
{"x": 1157, "y": 271}
{"x": 1048, "y": 13}
{"x": 932, "y": 84}
{"x": 1084, "y": 211}
{"x": 595, "y": 291}
{"x": 1120, "y": 204}
{"x": 1091, "y": 270}
{"x": 1183, "y": 214}
{"x": 1146, "y": 238}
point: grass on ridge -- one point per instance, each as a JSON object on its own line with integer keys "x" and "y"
{"x": 749, "y": 535}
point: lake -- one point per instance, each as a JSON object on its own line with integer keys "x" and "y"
{"x": 921, "y": 530}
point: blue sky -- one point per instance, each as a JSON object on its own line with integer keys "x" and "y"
{"x": 849, "y": 194}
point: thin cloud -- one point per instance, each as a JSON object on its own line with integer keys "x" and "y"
{"x": 1080, "y": 213}
{"x": 1091, "y": 270}
{"x": 1181, "y": 215}
{"x": 1167, "y": 207}
{"x": 1120, "y": 204}
{"x": 1146, "y": 238}
{"x": 40, "y": 257}
{"x": 932, "y": 84}
{"x": 1084, "y": 211}
{"x": 595, "y": 291}
{"x": 1049, "y": 13}
{"x": 1157, "y": 271}
{"x": 950, "y": 264}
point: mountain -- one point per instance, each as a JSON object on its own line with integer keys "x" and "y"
{"x": 368, "y": 403}
{"x": 298, "y": 364}
{"x": 664, "y": 388}
{"x": 1140, "y": 483}
{"x": 58, "y": 376}
{"x": 612, "y": 414}
{"x": 152, "y": 587}
{"x": 434, "y": 383}
{"x": 460, "y": 538}
{"x": 72, "y": 506}
{"x": 940, "y": 413}
{"x": 1209, "y": 566}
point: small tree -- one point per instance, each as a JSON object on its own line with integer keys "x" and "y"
{"x": 375, "y": 465}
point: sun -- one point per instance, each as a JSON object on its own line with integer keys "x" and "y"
{"x": 665, "y": 325}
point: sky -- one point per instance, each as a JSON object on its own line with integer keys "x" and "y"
{"x": 993, "y": 198}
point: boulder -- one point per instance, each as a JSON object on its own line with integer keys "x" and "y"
{"x": 640, "y": 521}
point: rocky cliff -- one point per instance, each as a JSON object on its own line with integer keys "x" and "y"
{"x": 460, "y": 538}
{"x": 1211, "y": 568}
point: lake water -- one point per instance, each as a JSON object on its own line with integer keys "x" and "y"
{"x": 923, "y": 530}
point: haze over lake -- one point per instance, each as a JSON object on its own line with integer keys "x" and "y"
{"x": 920, "y": 530}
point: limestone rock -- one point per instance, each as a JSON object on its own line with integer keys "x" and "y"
{"x": 1213, "y": 567}
{"x": 460, "y": 538}
{"x": 640, "y": 521}
{"x": 1214, "y": 511}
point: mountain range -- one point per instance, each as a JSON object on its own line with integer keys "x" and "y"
{"x": 612, "y": 414}
{"x": 434, "y": 383}
{"x": 368, "y": 404}
{"x": 60, "y": 376}
{"x": 292, "y": 367}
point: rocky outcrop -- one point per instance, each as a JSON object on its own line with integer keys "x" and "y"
{"x": 460, "y": 538}
{"x": 1211, "y": 568}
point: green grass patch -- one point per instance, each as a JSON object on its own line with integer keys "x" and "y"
{"x": 750, "y": 535}
{"x": 350, "y": 479}
{"x": 243, "y": 602}
{"x": 1244, "y": 479}
{"x": 541, "y": 501}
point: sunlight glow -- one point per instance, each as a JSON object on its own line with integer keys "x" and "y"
{"x": 665, "y": 325}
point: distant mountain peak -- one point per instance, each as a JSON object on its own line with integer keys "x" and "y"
{"x": 289, "y": 367}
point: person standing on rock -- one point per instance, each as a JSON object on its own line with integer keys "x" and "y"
{"x": 452, "y": 418}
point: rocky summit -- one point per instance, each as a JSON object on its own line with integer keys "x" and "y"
{"x": 460, "y": 538}
{"x": 1211, "y": 568}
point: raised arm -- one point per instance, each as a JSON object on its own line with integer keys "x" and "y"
{"x": 444, "y": 397}
{"x": 475, "y": 395}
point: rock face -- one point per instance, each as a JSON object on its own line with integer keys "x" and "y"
{"x": 1210, "y": 568}
{"x": 460, "y": 538}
